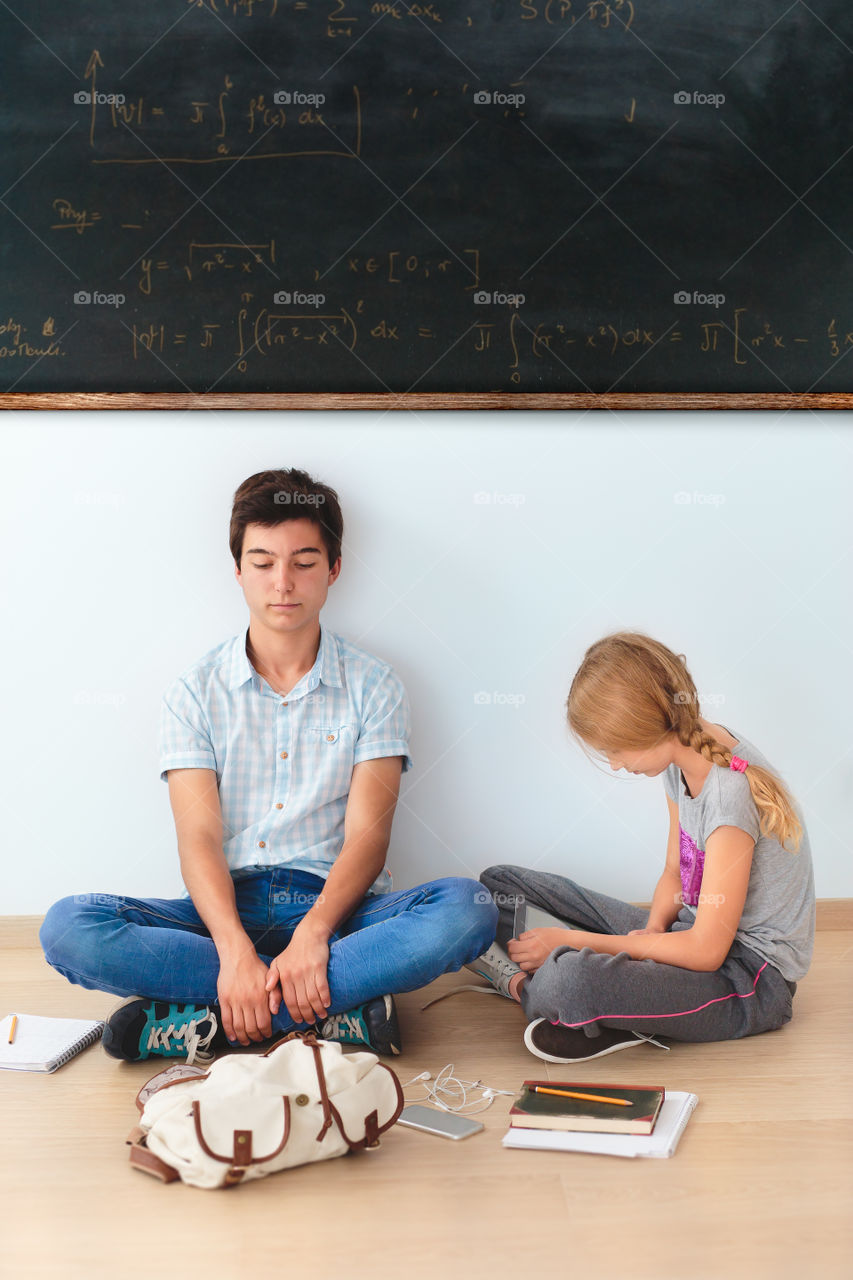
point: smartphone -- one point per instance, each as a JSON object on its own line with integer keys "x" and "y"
{"x": 529, "y": 917}
{"x": 447, "y": 1124}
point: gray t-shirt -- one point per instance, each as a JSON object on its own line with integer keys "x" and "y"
{"x": 778, "y": 917}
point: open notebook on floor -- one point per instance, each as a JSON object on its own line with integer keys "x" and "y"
{"x": 44, "y": 1044}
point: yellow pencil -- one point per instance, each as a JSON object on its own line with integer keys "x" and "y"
{"x": 12, "y": 1028}
{"x": 585, "y": 1097}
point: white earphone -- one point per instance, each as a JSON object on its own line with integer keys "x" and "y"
{"x": 452, "y": 1087}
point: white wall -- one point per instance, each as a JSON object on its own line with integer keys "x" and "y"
{"x": 117, "y": 575}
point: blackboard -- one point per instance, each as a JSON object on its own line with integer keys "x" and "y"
{"x": 501, "y": 197}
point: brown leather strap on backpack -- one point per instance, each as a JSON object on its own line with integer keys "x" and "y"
{"x": 311, "y": 1041}
{"x": 330, "y": 1115}
{"x": 241, "y": 1153}
{"x": 291, "y": 1035}
{"x": 145, "y": 1160}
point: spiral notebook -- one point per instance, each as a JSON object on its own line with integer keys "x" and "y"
{"x": 43, "y": 1044}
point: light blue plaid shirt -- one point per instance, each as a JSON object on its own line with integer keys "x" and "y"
{"x": 284, "y": 765}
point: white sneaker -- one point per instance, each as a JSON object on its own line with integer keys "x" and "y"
{"x": 496, "y": 967}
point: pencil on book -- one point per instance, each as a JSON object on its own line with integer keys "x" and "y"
{"x": 12, "y": 1029}
{"x": 585, "y": 1097}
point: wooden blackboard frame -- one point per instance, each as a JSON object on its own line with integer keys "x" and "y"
{"x": 423, "y": 401}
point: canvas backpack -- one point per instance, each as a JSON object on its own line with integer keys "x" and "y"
{"x": 249, "y": 1115}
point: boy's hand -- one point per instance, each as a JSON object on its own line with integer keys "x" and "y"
{"x": 241, "y": 991}
{"x": 533, "y": 947}
{"x": 298, "y": 976}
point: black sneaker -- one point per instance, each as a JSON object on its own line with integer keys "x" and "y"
{"x": 570, "y": 1044}
{"x": 140, "y": 1028}
{"x": 373, "y": 1025}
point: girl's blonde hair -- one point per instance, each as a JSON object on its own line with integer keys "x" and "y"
{"x": 630, "y": 692}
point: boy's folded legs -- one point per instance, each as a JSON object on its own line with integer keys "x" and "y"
{"x": 127, "y": 946}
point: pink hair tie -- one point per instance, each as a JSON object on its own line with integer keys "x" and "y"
{"x": 738, "y": 765}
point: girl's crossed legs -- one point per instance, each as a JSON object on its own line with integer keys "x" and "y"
{"x": 586, "y": 989}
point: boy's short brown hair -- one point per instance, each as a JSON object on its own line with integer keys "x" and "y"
{"x": 272, "y": 497}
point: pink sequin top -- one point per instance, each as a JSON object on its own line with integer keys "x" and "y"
{"x": 692, "y": 868}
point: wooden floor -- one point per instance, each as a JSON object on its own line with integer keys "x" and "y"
{"x": 759, "y": 1187}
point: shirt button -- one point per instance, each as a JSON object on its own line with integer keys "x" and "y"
{"x": 330, "y": 737}
{"x": 284, "y": 755}
{"x": 262, "y": 844}
{"x": 284, "y": 704}
{"x": 279, "y": 806}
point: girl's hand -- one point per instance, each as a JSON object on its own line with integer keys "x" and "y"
{"x": 533, "y": 947}
{"x": 632, "y": 932}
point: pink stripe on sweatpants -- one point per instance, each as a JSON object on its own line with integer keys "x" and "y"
{"x": 683, "y": 1014}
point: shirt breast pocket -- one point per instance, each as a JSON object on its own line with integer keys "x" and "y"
{"x": 331, "y": 748}
{"x": 319, "y": 733}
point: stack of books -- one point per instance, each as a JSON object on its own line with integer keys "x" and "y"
{"x": 617, "y": 1120}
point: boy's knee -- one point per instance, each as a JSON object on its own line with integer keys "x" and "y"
{"x": 55, "y": 927}
{"x": 473, "y": 906}
{"x": 63, "y": 936}
{"x": 469, "y": 896}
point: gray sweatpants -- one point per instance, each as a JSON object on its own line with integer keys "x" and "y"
{"x": 587, "y": 989}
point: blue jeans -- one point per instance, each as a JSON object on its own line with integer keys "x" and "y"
{"x": 160, "y": 947}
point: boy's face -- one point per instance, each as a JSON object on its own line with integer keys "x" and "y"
{"x": 285, "y": 574}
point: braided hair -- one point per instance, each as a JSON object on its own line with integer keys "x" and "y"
{"x": 631, "y": 693}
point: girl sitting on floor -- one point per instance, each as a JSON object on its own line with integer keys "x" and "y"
{"x": 731, "y": 926}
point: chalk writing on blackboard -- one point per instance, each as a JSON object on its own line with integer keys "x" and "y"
{"x": 263, "y": 330}
{"x": 348, "y": 195}
{"x": 222, "y": 127}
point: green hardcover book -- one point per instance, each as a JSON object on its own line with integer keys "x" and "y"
{"x": 532, "y": 1110}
